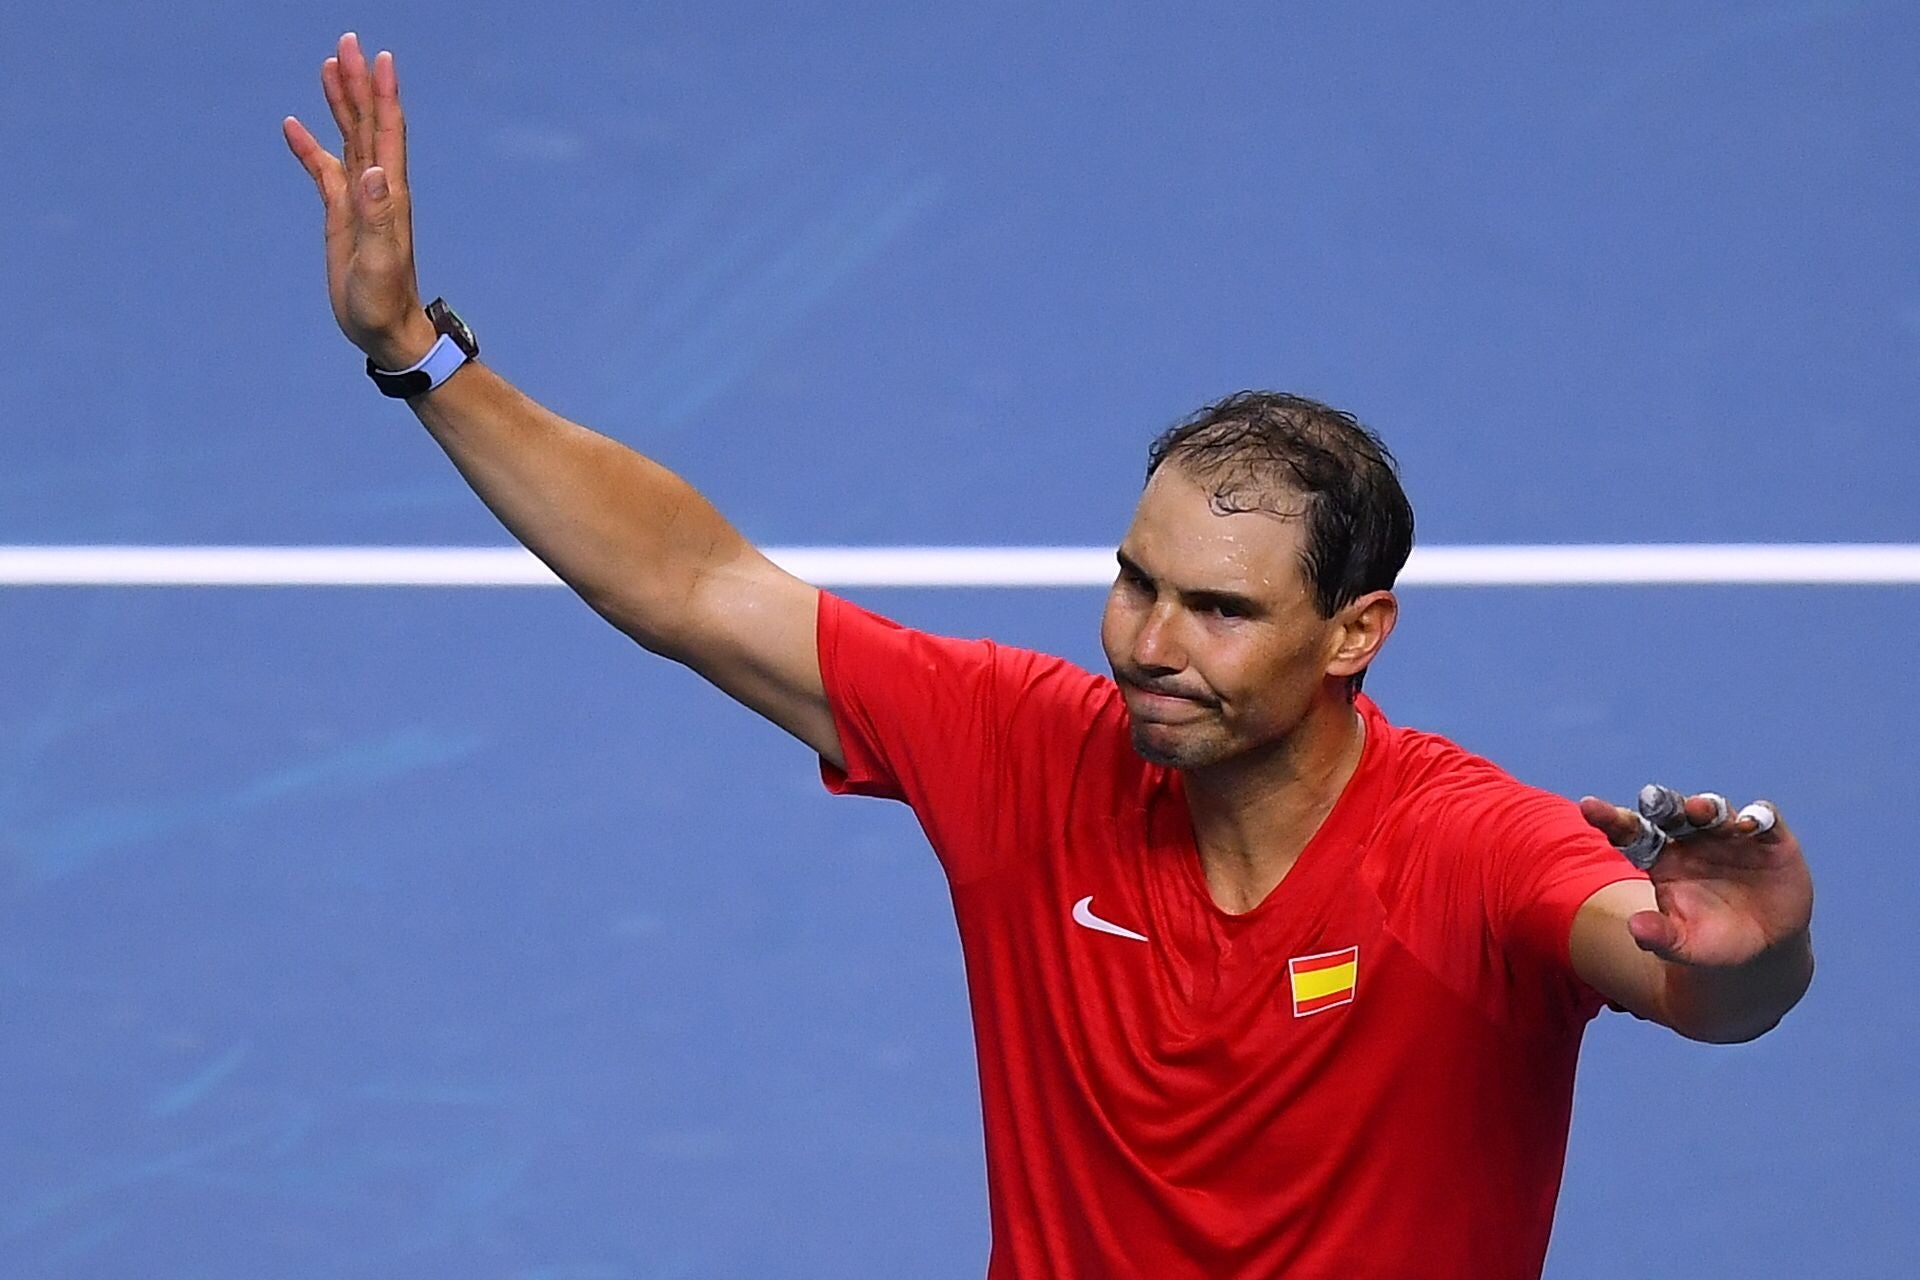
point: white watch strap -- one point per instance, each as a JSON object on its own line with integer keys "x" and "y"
{"x": 442, "y": 358}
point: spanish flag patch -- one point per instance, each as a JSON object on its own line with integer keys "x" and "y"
{"x": 1324, "y": 981}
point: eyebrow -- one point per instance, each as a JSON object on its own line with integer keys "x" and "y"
{"x": 1196, "y": 598}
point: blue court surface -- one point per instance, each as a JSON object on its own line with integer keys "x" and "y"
{"x": 442, "y": 933}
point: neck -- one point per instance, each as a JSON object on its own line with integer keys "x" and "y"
{"x": 1253, "y": 815}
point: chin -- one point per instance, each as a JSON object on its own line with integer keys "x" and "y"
{"x": 1154, "y": 753}
{"x": 1172, "y": 752}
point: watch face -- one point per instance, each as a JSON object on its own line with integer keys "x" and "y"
{"x": 445, "y": 321}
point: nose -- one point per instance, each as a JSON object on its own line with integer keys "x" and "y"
{"x": 1155, "y": 648}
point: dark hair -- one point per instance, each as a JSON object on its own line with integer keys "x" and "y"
{"x": 1295, "y": 457}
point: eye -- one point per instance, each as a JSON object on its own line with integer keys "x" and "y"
{"x": 1219, "y": 607}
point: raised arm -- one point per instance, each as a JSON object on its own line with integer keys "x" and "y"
{"x": 637, "y": 543}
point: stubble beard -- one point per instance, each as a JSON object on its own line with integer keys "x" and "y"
{"x": 1178, "y": 754}
{"x": 1201, "y": 746}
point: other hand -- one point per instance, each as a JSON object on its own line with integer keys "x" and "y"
{"x": 1725, "y": 893}
{"x": 369, "y": 211}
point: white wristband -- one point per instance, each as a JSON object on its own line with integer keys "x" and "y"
{"x": 442, "y": 358}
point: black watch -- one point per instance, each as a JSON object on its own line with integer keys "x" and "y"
{"x": 455, "y": 347}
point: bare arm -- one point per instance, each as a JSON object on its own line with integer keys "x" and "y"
{"x": 1721, "y": 1005}
{"x": 640, "y": 546}
{"x": 634, "y": 540}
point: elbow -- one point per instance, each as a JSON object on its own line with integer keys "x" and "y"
{"x": 658, "y": 612}
{"x": 637, "y": 620}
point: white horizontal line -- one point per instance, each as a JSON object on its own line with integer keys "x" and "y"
{"x": 1459, "y": 566}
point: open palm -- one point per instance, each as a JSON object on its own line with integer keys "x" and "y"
{"x": 369, "y": 214}
{"x": 1725, "y": 893}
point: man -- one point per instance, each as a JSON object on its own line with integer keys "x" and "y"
{"x": 1262, "y": 984}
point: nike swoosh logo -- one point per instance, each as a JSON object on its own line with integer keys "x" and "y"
{"x": 1083, "y": 914}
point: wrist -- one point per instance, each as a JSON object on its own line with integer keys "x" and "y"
{"x": 405, "y": 348}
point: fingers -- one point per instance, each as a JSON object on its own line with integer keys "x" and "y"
{"x": 1708, "y": 811}
{"x": 331, "y": 178}
{"x": 389, "y": 124}
{"x": 1679, "y": 815}
{"x": 350, "y": 95}
{"x": 365, "y": 102}
{"x": 1711, "y": 812}
{"x": 1664, "y": 815}
{"x": 1616, "y": 824}
{"x": 1643, "y": 849}
{"x": 1664, "y": 807}
{"x": 321, "y": 166}
{"x": 1637, "y": 839}
{"x": 342, "y": 111}
{"x": 1761, "y": 819}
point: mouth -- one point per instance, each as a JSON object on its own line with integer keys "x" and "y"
{"x": 1147, "y": 704}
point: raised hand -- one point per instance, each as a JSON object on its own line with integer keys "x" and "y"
{"x": 369, "y": 212}
{"x": 1728, "y": 887}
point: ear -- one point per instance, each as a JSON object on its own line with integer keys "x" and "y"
{"x": 1359, "y": 631}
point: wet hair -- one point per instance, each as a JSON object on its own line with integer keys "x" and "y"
{"x": 1297, "y": 458}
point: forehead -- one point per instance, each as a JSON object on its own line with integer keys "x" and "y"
{"x": 1177, "y": 535}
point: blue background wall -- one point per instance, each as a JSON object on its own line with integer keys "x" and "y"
{"x": 441, "y": 933}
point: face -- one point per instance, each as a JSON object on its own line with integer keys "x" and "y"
{"x": 1211, "y": 628}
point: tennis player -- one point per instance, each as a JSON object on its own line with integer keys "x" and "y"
{"x": 1263, "y": 985}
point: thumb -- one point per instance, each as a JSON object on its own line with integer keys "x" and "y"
{"x": 376, "y": 199}
{"x": 1654, "y": 932}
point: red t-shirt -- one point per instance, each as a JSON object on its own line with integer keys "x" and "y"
{"x": 1370, "y": 1074}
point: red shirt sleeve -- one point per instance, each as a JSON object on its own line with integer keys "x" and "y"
{"x": 974, "y": 735}
{"x": 1541, "y": 862}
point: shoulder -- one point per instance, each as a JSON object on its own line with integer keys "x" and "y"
{"x": 1474, "y": 864}
{"x": 1450, "y": 804}
{"x": 1001, "y": 688}
{"x": 1438, "y": 780}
